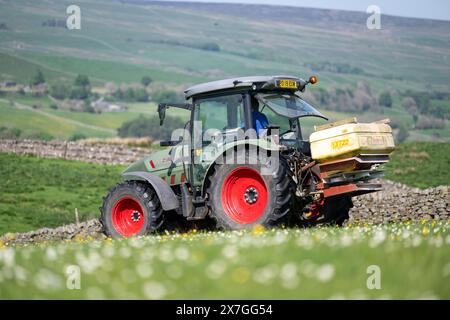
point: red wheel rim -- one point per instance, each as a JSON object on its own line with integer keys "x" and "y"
{"x": 128, "y": 216}
{"x": 244, "y": 195}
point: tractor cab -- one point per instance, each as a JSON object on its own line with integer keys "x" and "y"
{"x": 266, "y": 105}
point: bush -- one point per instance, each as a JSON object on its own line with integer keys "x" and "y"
{"x": 60, "y": 91}
{"x": 131, "y": 95}
{"x": 209, "y": 46}
{"x": 10, "y": 133}
{"x": 77, "y": 136}
{"x": 146, "y": 80}
{"x": 402, "y": 134}
{"x": 149, "y": 127}
{"x": 425, "y": 122}
{"x": 88, "y": 108}
{"x": 38, "y": 136}
{"x": 140, "y": 95}
{"x": 164, "y": 95}
{"x": 37, "y": 78}
{"x": 385, "y": 99}
{"x": 82, "y": 81}
{"x": 80, "y": 93}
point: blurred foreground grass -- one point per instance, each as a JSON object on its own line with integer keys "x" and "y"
{"x": 326, "y": 262}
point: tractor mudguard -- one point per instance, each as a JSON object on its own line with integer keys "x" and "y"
{"x": 167, "y": 197}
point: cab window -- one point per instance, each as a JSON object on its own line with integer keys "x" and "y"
{"x": 221, "y": 113}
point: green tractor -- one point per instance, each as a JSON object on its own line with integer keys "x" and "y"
{"x": 241, "y": 161}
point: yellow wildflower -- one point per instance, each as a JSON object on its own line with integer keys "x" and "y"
{"x": 10, "y": 236}
{"x": 241, "y": 275}
{"x": 258, "y": 229}
{"x": 79, "y": 238}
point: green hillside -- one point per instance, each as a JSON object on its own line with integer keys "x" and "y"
{"x": 120, "y": 42}
{"x": 180, "y": 44}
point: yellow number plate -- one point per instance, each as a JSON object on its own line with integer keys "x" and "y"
{"x": 287, "y": 84}
{"x": 340, "y": 144}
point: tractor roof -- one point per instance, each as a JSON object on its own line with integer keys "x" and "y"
{"x": 242, "y": 82}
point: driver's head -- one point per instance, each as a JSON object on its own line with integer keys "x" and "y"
{"x": 255, "y": 104}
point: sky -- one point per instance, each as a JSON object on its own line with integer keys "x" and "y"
{"x": 434, "y": 9}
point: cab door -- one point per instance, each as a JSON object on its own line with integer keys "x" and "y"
{"x": 213, "y": 116}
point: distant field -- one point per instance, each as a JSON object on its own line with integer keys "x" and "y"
{"x": 420, "y": 165}
{"x": 410, "y": 261}
{"x": 32, "y": 122}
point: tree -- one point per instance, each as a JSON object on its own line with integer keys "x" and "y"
{"x": 141, "y": 95}
{"x": 146, "y": 80}
{"x": 37, "y": 78}
{"x": 77, "y": 136}
{"x": 167, "y": 96}
{"x": 128, "y": 95}
{"x": 81, "y": 88}
{"x": 149, "y": 127}
{"x": 402, "y": 134}
{"x": 409, "y": 104}
{"x": 385, "y": 99}
{"x": 80, "y": 92}
{"x": 60, "y": 91}
{"x": 82, "y": 81}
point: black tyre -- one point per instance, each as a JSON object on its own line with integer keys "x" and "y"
{"x": 132, "y": 208}
{"x": 335, "y": 210}
{"x": 240, "y": 197}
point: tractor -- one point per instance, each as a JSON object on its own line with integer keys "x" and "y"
{"x": 242, "y": 161}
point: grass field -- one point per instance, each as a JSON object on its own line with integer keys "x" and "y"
{"x": 62, "y": 124}
{"x": 31, "y": 121}
{"x": 420, "y": 165}
{"x": 410, "y": 261}
{"x": 44, "y": 193}
{"x": 318, "y": 263}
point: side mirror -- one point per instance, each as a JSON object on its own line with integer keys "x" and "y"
{"x": 162, "y": 113}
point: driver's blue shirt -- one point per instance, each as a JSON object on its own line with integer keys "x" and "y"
{"x": 260, "y": 122}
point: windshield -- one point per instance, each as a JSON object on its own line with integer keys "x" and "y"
{"x": 289, "y": 105}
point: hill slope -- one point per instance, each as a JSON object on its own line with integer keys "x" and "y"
{"x": 180, "y": 44}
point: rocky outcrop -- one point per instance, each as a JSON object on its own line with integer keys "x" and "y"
{"x": 398, "y": 202}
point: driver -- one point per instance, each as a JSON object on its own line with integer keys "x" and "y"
{"x": 260, "y": 121}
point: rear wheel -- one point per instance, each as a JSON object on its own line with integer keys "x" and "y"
{"x": 335, "y": 210}
{"x": 332, "y": 211}
{"x": 132, "y": 208}
{"x": 241, "y": 197}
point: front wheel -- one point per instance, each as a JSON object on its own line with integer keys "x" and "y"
{"x": 132, "y": 208}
